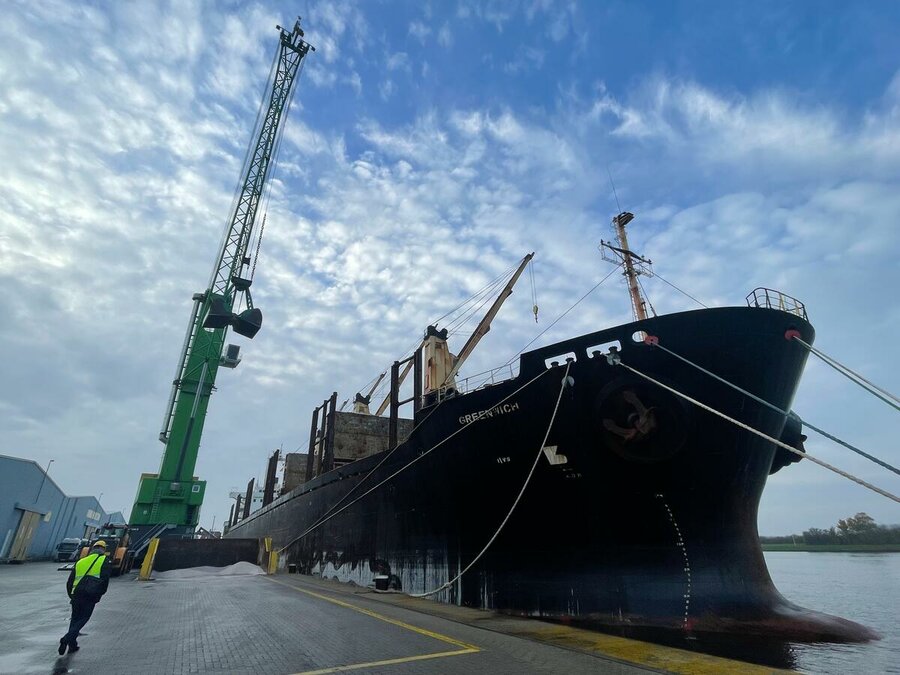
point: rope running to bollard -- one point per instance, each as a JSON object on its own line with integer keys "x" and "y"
{"x": 403, "y": 468}
{"x": 540, "y": 451}
{"x": 787, "y": 447}
{"x": 777, "y": 409}
{"x": 850, "y": 374}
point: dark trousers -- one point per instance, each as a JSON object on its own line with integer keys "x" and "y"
{"x": 82, "y": 608}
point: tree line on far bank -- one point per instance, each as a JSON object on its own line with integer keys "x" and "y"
{"x": 858, "y": 529}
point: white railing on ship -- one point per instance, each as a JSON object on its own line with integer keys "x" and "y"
{"x": 771, "y": 299}
{"x": 488, "y": 377}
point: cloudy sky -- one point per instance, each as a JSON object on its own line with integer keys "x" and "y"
{"x": 430, "y": 146}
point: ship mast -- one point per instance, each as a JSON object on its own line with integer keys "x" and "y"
{"x": 633, "y": 265}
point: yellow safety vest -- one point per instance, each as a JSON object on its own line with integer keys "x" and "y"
{"x": 88, "y": 562}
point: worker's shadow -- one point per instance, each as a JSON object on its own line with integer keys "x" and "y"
{"x": 61, "y": 665}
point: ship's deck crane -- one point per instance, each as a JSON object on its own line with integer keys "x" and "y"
{"x": 174, "y": 495}
{"x": 441, "y": 367}
{"x": 361, "y": 403}
{"x": 483, "y": 326}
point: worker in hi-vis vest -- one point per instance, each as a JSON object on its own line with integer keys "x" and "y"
{"x": 86, "y": 584}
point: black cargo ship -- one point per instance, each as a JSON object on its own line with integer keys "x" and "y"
{"x": 641, "y": 510}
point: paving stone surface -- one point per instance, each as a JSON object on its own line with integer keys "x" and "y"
{"x": 258, "y": 624}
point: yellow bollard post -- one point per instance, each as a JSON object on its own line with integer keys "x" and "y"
{"x": 149, "y": 558}
{"x": 265, "y": 546}
{"x": 273, "y": 562}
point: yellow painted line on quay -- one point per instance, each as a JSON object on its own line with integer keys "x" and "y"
{"x": 624, "y": 650}
{"x": 464, "y": 647}
{"x": 636, "y": 652}
{"x": 389, "y": 662}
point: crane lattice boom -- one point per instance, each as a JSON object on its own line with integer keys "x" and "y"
{"x": 174, "y": 495}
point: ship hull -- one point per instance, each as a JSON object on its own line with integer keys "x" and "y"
{"x": 620, "y": 524}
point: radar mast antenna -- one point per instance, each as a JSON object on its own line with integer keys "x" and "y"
{"x": 632, "y": 264}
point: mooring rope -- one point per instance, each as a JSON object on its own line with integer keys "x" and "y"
{"x": 617, "y": 360}
{"x": 334, "y": 513}
{"x": 515, "y": 503}
{"x": 655, "y": 343}
{"x": 561, "y": 316}
{"x": 885, "y": 396}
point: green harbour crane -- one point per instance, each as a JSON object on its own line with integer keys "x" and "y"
{"x": 171, "y": 499}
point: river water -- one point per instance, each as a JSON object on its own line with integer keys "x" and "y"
{"x": 862, "y": 587}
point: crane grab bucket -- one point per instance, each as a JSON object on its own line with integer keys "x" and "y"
{"x": 219, "y": 316}
{"x": 248, "y": 322}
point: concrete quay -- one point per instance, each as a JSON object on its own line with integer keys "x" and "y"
{"x": 296, "y": 624}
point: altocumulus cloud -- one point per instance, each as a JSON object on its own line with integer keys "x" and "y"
{"x": 124, "y": 149}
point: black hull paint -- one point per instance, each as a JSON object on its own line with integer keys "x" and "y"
{"x": 659, "y": 533}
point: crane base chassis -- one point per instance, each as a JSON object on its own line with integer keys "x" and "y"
{"x": 166, "y": 501}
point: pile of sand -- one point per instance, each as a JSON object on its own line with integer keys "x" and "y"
{"x": 235, "y": 570}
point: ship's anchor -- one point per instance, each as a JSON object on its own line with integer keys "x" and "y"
{"x": 641, "y": 422}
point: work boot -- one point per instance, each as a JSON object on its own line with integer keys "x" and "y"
{"x": 73, "y": 647}
{"x": 62, "y": 646}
